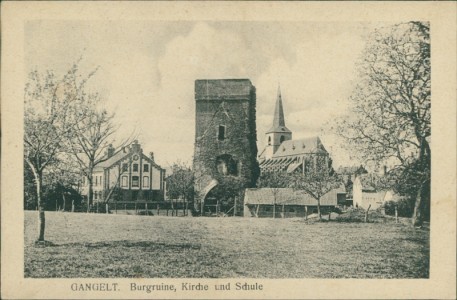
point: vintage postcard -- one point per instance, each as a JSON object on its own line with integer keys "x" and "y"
{"x": 228, "y": 150}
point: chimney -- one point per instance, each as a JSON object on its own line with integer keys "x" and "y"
{"x": 110, "y": 150}
{"x": 135, "y": 146}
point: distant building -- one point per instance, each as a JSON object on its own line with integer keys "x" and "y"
{"x": 289, "y": 202}
{"x": 282, "y": 153}
{"x": 348, "y": 175}
{"x": 366, "y": 192}
{"x": 133, "y": 175}
{"x": 225, "y": 137}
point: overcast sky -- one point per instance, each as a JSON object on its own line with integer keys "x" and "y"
{"x": 147, "y": 72}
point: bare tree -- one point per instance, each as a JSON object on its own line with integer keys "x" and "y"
{"x": 48, "y": 103}
{"x": 94, "y": 134}
{"x": 180, "y": 184}
{"x": 274, "y": 181}
{"x": 390, "y": 113}
{"x": 317, "y": 182}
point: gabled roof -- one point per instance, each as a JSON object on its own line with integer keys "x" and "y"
{"x": 122, "y": 154}
{"x": 289, "y": 196}
{"x": 298, "y": 147}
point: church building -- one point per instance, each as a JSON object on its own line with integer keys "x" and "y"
{"x": 282, "y": 153}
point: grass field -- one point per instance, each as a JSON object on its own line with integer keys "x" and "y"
{"x": 97, "y": 245}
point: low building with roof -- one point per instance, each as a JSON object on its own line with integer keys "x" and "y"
{"x": 127, "y": 176}
{"x": 287, "y": 202}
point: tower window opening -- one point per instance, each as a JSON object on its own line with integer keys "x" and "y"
{"x": 281, "y": 139}
{"x": 221, "y": 133}
{"x": 269, "y": 140}
{"x": 226, "y": 165}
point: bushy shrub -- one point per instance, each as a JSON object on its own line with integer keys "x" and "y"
{"x": 405, "y": 208}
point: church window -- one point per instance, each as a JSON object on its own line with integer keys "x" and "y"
{"x": 146, "y": 181}
{"x": 269, "y": 140}
{"x": 135, "y": 181}
{"x": 146, "y": 168}
{"x": 221, "y": 133}
{"x": 281, "y": 139}
{"x": 124, "y": 181}
{"x": 135, "y": 167}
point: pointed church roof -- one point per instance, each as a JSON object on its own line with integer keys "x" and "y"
{"x": 279, "y": 123}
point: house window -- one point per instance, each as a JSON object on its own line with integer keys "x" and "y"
{"x": 267, "y": 208}
{"x": 125, "y": 167}
{"x": 96, "y": 180}
{"x": 146, "y": 181}
{"x": 135, "y": 181}
{"x": 95, "y": 196}
{"x": 145, "y": 168}
{"x": 124, "y": 181}
{"x": 135, "y": 167}
{"x": 221, "y": 133}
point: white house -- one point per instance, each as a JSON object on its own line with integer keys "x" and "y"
{"x": 365, "y": 192}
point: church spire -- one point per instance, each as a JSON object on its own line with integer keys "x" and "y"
{"x": 279, "y": 123}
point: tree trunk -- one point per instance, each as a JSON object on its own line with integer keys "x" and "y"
{"x": 417, "y": 214}
{"x": 366, "y": 213}
{"x": 41, "y": 216}
{"x": 90, "y": 192}
{"x": 396, "y": 214}
{"x": 73, "y": 205}
{"x": 306, "y": 212}
{"x": 64, "y": 202}
{"x": 319, "y": 209}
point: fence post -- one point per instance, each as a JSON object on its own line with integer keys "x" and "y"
{"x": 396, "y": 214}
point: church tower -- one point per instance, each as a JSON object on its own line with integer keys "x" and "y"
{"x": 278, "y": 133}
{"x": 225, "y": 139}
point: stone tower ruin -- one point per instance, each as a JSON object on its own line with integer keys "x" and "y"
{"x": 225, "y": 142}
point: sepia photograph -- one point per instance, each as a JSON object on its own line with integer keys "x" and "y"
{"x": 205, "y": 155}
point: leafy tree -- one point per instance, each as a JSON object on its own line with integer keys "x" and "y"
{"x": 390, "y": 110}
{"x": 48, "y": 103}
{"x": 274, "y": 181}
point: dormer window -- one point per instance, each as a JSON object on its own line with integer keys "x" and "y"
{"x": 221, "y": 133}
